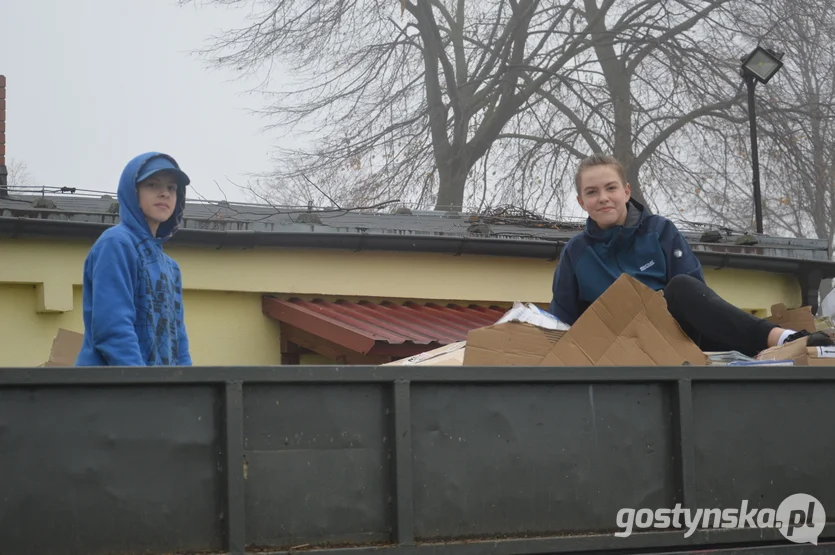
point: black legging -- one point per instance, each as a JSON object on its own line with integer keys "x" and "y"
{"x": 713, "y": 323}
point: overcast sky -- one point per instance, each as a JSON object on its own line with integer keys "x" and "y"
{"x": 92, "y": 83}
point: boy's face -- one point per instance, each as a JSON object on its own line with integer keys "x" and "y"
{"x": 157, "y": 198}
{"x": 604, "y": 196}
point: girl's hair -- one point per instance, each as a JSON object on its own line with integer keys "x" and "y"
{"x": 599, "y": 160}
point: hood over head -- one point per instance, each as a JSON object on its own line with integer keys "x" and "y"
{"x": 130, "y": 213}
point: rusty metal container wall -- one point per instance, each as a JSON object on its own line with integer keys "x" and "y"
{"x": 402, "y": 460}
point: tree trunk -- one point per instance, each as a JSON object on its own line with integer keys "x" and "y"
{"x": 624, "y": 147}
{"x": 819, "y": 212}
{"x": 452, "y": 178}
{"x": 632, "y": 175}
{"x": 618, "y": 79}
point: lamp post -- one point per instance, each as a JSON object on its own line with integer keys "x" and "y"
{"x": 759, "y": 65}
{"x": 4, "y": 171}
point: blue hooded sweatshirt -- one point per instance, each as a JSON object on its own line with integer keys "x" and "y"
{"x": 132, "y": 300}
{"x": 647, "y": 247}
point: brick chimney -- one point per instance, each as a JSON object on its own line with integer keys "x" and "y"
{"x": 4, "y": 172}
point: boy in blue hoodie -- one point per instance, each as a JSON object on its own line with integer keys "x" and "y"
{"x": 621, "y": 236}
{"x": 133, "y": 292}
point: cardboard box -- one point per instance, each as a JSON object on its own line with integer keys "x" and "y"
{"x": 820, "y": 356}
{"x": 509, "y": 344}
{"x": 448, "y": 355}
{"x": 629, "y": 325}
{"x": 801, "y": 354}
{"x": 796, "y": 319}
{"x": 65, "y": 348}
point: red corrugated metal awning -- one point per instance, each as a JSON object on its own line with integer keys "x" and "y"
{"x": 384, "y": 328}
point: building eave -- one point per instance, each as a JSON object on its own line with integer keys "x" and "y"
{"x": 544, "y": 249}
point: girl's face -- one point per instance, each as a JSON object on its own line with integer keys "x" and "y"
{"x": 604, "y": 196}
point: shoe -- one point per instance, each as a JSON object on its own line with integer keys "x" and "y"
{"x": 816, "y": 339}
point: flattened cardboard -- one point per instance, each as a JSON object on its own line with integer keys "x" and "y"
{"x": 65, "y": 348}
{"x": 796, "y": 351}
{"x": 448, "y": 355}
{"x": 509, "y": 344}
{"x": 796, "y": 319}
{"x": 800, "y": 354}
{"x": 629, "y": 325}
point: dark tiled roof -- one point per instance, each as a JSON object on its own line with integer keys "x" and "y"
{"x": 225, "y": 217}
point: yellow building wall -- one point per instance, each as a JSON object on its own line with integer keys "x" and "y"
{"x": 40, "y": 291}
{"x": 225, "y": 328}
{"x": 26, "y": 335}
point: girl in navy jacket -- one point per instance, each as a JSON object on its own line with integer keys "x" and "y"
{"x": 621, "y": 236}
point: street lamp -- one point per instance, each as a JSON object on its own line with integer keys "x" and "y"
{"x": 758, "y": 66}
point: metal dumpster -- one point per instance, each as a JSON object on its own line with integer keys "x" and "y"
{"x": 403, "y": 460}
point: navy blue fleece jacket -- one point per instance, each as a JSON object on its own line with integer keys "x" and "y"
{"x": 648, "y": 247}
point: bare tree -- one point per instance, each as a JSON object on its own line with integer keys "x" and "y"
{"x": 801, "y": 142}
{"x": 405, "y": 107}
{"x": 670, "y": 69}
{"x": 796, "y": 131}
{"x": 414, "y": 102}
{"x": 453, "y": 103}
{"x": 18, "y": 175}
